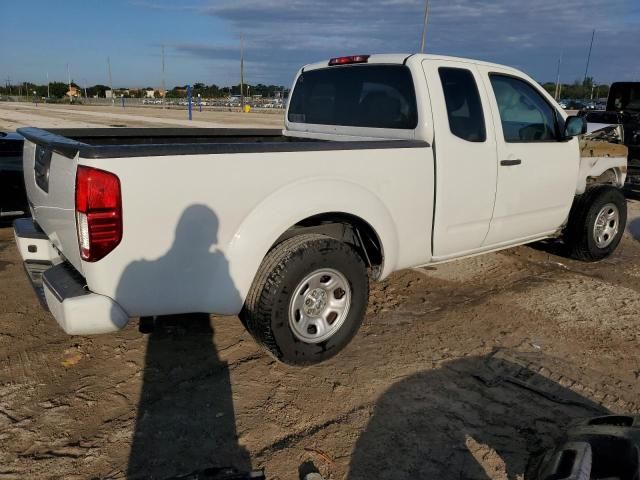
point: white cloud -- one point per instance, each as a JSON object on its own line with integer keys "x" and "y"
{"x": 280, "y": 35}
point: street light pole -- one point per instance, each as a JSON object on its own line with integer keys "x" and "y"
{"x": 586, "y": 70}
{"x": 113, "y": 99}
{"x": 164, "y": 91}
{"x": 69, "y": 82}
{"x": 424, "y": 25}
{"x": 242, "y": 72}
{"x": 557, "y": 92}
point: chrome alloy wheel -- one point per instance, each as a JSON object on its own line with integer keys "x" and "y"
{"x": 606, "y": 225}
{"x": 319, "y": 305}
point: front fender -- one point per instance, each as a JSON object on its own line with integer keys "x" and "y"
{"x": 292, "y": 204}
{"x": 594, "y": 167}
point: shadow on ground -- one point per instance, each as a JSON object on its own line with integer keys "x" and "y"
{"x": 3, "y": 245}
{"x": 476, "y": 418}
{"x": 634, "y": 228}
{"x": 185, "y": 421}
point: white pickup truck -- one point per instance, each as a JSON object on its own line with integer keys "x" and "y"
{"x": 385, "y": 162}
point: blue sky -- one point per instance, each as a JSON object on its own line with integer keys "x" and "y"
{"x": 201, "y": 37}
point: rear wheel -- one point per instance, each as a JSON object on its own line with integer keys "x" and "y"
{"x": 596, "y": 224}
{"x": 308, "y": 299}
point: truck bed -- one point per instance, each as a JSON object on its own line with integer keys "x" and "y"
{"x": 168, "y": 170}
{"x": 146, "y": 142}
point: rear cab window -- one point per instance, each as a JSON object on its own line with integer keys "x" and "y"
{"x": 464, "y": 108}
{"x": 373, "y": 96}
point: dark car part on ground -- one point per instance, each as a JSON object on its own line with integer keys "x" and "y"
{"x": 226, "y": 473}
{"x": 13, "y": 198}
{"x": 600, "y": 448}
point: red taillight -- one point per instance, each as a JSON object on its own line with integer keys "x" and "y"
{"x": 98, "y": 212}
{"x": 348, "y": 60}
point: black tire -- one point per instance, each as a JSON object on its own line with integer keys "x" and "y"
{"x": 579, "y": 235}
{"x": 266, "y": 309}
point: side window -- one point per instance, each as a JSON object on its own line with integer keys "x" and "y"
{"x": 526, "y": 116}
{"x": 464, "y": 109}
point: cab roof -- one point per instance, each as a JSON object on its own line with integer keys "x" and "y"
{"x": 401, "y": 58}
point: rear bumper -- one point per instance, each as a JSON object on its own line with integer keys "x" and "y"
{"x": 33, "y": 243}
{"x": 62, "y": 289}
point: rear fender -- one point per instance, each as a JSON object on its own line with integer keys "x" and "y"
{"x": 294, "y": 203}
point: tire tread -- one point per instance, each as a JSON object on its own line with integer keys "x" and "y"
{"x": 578, "y": 232}
{"x": 256, "y": 313}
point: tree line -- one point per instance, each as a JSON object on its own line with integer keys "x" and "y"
{"x": 214, "y": 91}
{"x": 586, "y": 89}
{"x": 60, "y": 89}
{"x": 579, "y": 90}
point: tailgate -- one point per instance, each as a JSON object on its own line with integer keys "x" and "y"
{"x": 49, "y": 176}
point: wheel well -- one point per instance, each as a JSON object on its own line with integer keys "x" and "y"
{"x": 347, "y": 228}
{"x": 608, "y": 177}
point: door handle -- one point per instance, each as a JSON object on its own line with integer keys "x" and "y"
{"x": 509, "y": 163}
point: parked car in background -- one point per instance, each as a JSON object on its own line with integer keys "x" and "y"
{"x": 596, "y": 105}
{"x": 13, "y": 199}
{"x": 575, "y": 105}
{"x": 287, "y": 227}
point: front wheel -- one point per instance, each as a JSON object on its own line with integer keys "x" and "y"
{"x": 596, "y": 224}
{"x": 308, "y": 299}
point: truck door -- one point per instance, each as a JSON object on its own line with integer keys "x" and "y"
{"x": 465, "y": 156}
{"x": 537, "y": 169}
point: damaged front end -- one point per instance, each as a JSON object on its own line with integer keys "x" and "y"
{"x": 603, "y": 158}
{"x": 620, "y": 124}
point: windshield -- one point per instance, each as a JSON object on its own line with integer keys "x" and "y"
{"x": 375, "y": 96}
{"x": 624, "y": 96}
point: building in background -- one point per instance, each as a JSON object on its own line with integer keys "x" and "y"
{"x": 73, "y": 92}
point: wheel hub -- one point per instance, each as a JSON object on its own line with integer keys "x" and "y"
{"x": 315, "y": 301}
{"x": 606, "y": 225}
{"x": 319, "y": 305}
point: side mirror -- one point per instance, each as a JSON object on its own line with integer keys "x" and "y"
{"x": 575, "y": 125}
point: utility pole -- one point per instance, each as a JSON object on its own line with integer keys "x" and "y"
{"x": 586, "y": 70}
{"x": 69, "y": 82}
{"x": 557, "y": 92}
{"x": 113, "y": 99}
{"x": 164, "y": 91}
{"x": 424, "y": 25}
{"x": 242, "y": 72}
{"x": 48, "y": 87}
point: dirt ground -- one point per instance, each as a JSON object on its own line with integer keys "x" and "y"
{"x": 15, "y": 115}
{"x": 460, "y": 371}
